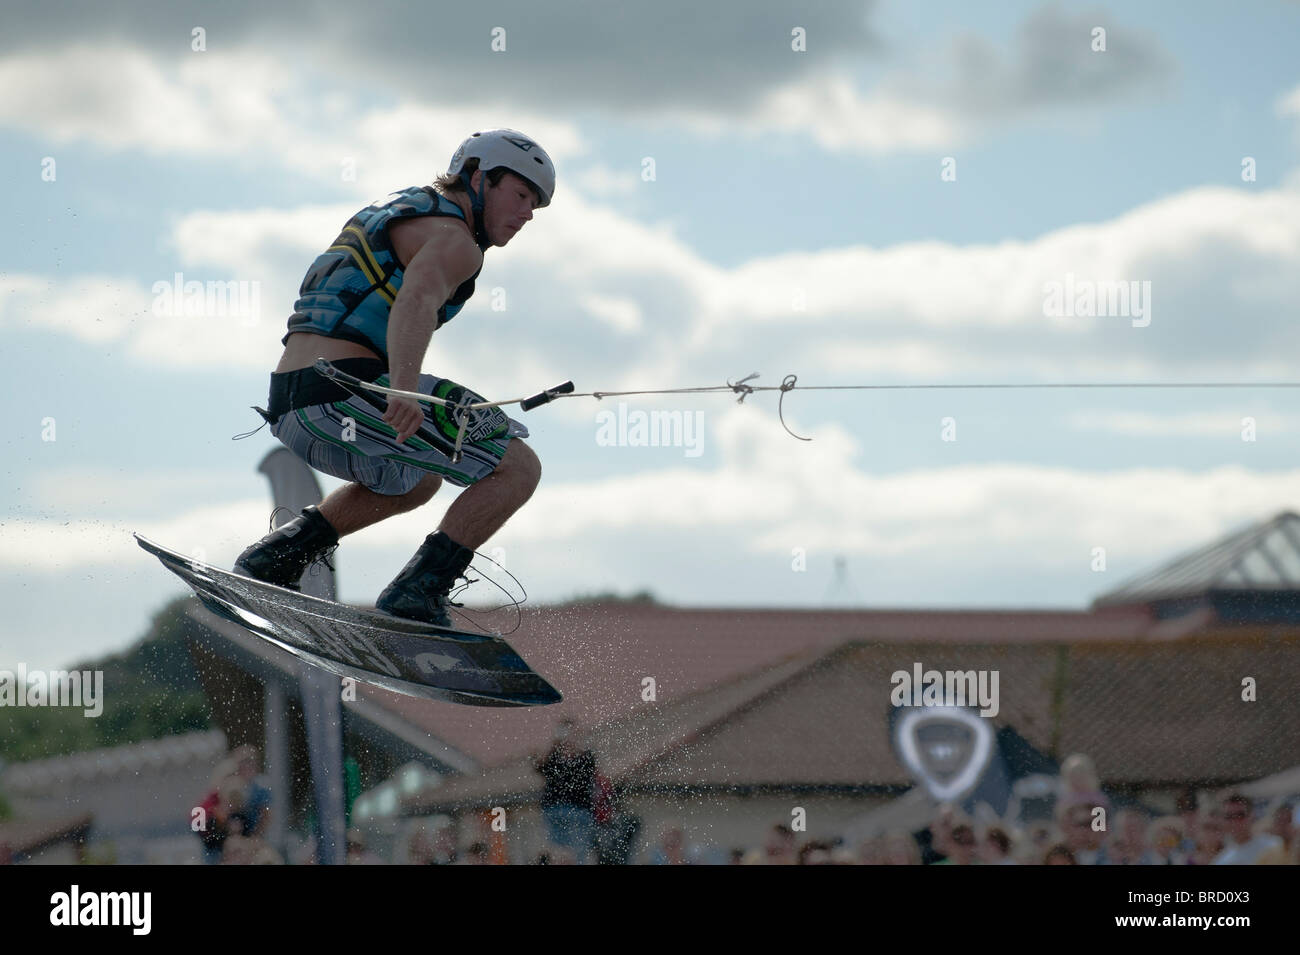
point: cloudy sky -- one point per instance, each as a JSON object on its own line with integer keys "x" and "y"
{"x": 857, "y": 193}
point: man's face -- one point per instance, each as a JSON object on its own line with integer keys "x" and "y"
{"x": 1210, "y": 831}
{"x": 1132, "y": 829}
{"x": 1236, "y": 815}
{"x": 962, "y": 841}
{"x": 1077, "y": 827}
{"x": 508, "y": 207}
{"x": 1282, "y": 822}
{"x": 779, "y": 842}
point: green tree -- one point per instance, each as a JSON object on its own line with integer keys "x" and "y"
{"x": 150, "y": 691}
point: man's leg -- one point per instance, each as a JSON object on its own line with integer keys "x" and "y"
{"x": 486, "y": 505}
{"x": 353, "y": 507}
{"x": 420, "y": 591}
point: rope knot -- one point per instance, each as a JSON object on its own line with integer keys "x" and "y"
{"x": 743, "y": 389}
{"x": 787, "y": 385}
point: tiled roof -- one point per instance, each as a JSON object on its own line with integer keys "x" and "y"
{"x": 1175, "y": 711}
{"x": 184, "y": 749}
{"x": 598, "y": 654}
{"x": 1154, "y": 713}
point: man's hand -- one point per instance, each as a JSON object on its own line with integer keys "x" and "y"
{"x": 404, "y": 415}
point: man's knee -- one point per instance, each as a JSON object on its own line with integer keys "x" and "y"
{"x": 521, "y": 463}
{"x": 423, "y": 492}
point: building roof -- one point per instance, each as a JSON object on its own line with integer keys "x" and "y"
{"x": 1263, "y": 556}
{"x": 85, "y": 768}
{"x": 1146, "y": 713}
{"x": 597, "y": 655}
{"x": 716, "y": 666}
{"x": 627, "y": 745}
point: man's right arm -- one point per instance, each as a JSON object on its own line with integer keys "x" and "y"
{"x": 443, "y": 263}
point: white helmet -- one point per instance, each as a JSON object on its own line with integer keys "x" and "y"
{"x": 494, "y": 148}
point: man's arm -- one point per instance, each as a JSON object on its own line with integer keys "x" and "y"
{"x": 443, "y": 263}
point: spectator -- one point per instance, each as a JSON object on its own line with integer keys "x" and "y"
{"x": 1165, "y": 838}
{"x": 961, "y": 845}
{"x": 672, "y": 847}
{"x": 616, "y": 830}
{"x": 237, "y": 850}
{"x": 872, "y": 851}
{"x": 567, "y": 800}
{"x": 1186, "y": 808}
{"x": 1281, "y": 823}
{"x": 221, "y": 817}
{"x": 265, "y": 855}
{"x": 237, "y": 804}
{"x": 1127, "y": 843}
{"x": 1059, "y": 854}
{"x": 357, "y": 853}
{"x": 1209, "y": 838}
{"x": 1080, "y": 785}
{"x": 432, "y": 845}
{"x": 1078, "y": 834}
{"x": 816, "y": 853}
{"x": 936, "y": 841}
{"x": 1038, "y": 837}
{"x": 256, "y": 813}
{"x": 1243, "y": 847}
{"x": 995, "y": 847}
{"x": 477, "y": 854}
{"x": 252, "y": 850}
{"x": 901, "y": 849}
{"x": 780, "y": 848}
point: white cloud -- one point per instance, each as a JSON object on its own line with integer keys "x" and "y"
{"x": 766, "y": 492}
{"x": 242, "y": 98}
{"x": 253, "y": 242}
{"x": 1288, "y": 104}
{"x": 93, "y": 490}
{"x": 841, "y": 117}
{"x": 585, "y": 284}
{"x": 948, "y": 97}
{"x": 42, "y": 546}
{"x": 107, "y": 310}
{"x": 601, "y": 180}
{"x": 213, "y": 105}
{"x": 621, "y": 314}
{"x": 246, "y": 104}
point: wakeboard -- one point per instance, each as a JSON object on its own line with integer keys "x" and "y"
{"x": 405, "y": 656}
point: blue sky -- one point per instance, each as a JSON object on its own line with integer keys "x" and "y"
{"x": 780, "y": 177}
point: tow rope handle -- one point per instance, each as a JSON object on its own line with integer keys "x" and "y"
{"x": 550, "y": 394}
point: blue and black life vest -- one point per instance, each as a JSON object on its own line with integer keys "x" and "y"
{"x": 350, "y": 288}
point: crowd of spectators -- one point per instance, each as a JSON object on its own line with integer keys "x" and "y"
{"x": 585, "y": 824}
{"x": 231, "y": 821}
{"x": 1225, "y": 828}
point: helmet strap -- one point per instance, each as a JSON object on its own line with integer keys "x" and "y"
{"x": 476, "y": 200}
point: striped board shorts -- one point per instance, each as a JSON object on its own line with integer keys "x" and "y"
{"x": 350, "y": 440}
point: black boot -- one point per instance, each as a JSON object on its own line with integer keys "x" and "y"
{"x": 282, "y": 556}
{"x": 420, "y": 591}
